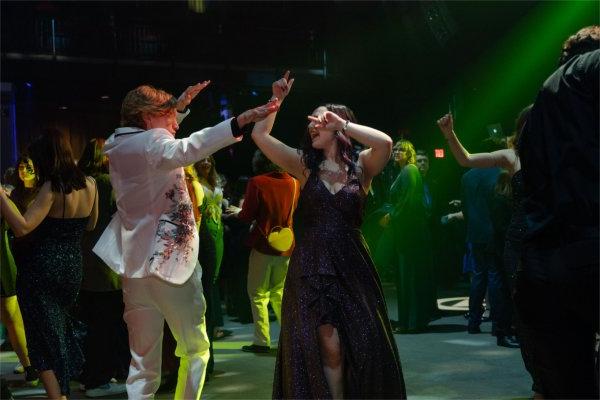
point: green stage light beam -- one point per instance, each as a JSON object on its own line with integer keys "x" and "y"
{"x": 509, "y": 76}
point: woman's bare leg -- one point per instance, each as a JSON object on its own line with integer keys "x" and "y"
{"x": 331, "y": 357}
{"x": 51, "y": 385}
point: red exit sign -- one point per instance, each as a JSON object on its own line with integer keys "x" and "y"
{"x": 439, "y": 153}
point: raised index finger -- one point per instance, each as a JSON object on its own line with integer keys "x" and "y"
{"x": 286, "y": 75}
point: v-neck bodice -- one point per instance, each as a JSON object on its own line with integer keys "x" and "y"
{"x": 321, "y": 209}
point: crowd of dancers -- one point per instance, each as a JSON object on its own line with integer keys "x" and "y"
{"x": 126, "y": 246}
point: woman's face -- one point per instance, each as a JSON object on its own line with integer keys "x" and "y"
{"x": 320, "y": 138}
{"x": 400, "y": 156}
{"x": 26, "y": 171}
{"x": 204, "y": 166}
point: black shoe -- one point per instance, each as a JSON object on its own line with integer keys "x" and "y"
{"x": 254, "y": 348}
{"x": 473, "y": 329}
{"x": 508, "y": 341}
{"x": 31, "y": 376}
{"x": 222, "y": 334}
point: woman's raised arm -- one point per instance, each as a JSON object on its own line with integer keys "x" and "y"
{"x": 284, "y": 156}
{"x": 504, "y": 158}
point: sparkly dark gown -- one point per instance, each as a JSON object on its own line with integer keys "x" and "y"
{"x": 48, "y": 280}
{"x": 332, "y": 280}
{"x": 516, "y": 229}
{"x": 512, "y": 264}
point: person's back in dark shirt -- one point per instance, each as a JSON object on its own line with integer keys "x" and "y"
{"x": 559, "y": 155}
{"x": 477, "y": 188}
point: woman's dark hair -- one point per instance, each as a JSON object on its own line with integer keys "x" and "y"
{"x": 93, "y": 161}
{"x": 312, "y": 158}
{"x": 519, "y": 125}
{"x": 53, "y": 158}
{"x": 503, "y": 187}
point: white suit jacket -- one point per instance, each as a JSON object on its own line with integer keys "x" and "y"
{"x": 153, "y": 231}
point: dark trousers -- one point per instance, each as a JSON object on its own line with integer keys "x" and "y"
{"x": 106, "y": 346}
{"x": 556, "y": 299}
{"x": 488, "y": 276}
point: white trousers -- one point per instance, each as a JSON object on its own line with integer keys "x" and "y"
{"x": 266, "y": 278}
{"x": 148, "y": 303}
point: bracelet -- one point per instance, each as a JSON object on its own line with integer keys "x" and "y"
{"x": 345, "y": 127}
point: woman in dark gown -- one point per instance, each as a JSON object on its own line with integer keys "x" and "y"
{"x": 49, "y": 274}
{"x": 336, "y": 340}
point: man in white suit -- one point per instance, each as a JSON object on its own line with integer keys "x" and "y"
{"x": 152, "y": 240}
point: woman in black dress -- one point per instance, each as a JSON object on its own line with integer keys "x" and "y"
{"x": 49, "y": 272}
{"x": 336, "y": 340}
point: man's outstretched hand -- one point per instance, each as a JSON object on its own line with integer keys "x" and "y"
{"x": 258, "y": 114}
{"x": 188, "y": 95}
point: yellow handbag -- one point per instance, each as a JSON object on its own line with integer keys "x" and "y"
{"x": 281, "y": 238}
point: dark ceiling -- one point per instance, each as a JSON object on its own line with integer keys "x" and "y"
{"x": 398, "y": 52}
{"x": 398, "y": 64}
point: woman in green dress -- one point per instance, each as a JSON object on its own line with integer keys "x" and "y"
{"x": 407, "y": 244}
{"x": 210, "y": 252}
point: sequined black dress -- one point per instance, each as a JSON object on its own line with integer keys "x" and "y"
{"x": 332, "y": 279}
{"x": 516, "y": 229}
{"x": 48, "y": 280}
{"x": 512, "y": 256}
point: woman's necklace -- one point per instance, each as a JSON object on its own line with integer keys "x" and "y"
{"x": 332, "y": 167}
{"x": 333, "y": 176}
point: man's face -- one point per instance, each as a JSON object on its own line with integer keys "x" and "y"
{"x": 423, "y": 164}
{"x": 166, "y": 121}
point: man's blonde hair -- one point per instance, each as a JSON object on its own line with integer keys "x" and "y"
{"x": 145, "y": 100}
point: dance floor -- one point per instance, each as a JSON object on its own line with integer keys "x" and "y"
{"x": 443, "y": 363}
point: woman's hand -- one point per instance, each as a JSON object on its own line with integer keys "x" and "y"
{"x": 328, "y": 120}
{"x": 282, "y": 87}
{"x": 446, "y": 124}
